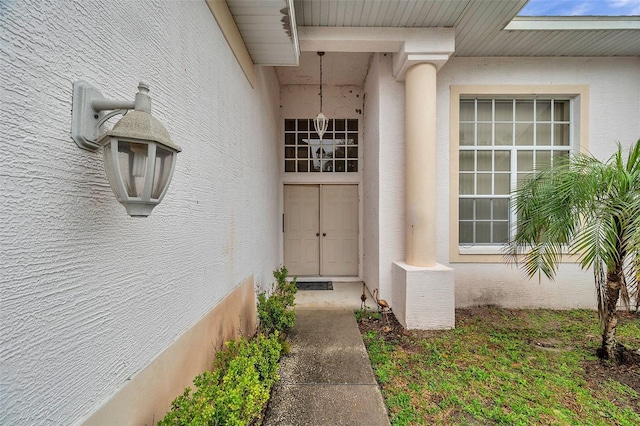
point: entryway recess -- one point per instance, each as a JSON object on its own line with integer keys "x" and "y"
{"x": 321, "y": 230}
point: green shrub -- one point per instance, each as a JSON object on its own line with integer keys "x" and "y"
{"x": 275, "y": 312}
{"x": 237, "y": 389}
{"x": 239, "y": 386}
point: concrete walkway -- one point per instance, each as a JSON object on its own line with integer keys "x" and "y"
{"x": 327, "y": 379}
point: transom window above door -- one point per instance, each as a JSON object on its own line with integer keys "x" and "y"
{"x": 336, "y": 152}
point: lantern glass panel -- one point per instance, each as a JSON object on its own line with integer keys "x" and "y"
{"x": 162, "y": 172}
{"x": 132, "y": 158}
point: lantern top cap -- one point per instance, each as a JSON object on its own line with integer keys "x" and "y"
{"x": 143, "y": 126}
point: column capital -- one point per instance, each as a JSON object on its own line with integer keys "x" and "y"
{"x": 436, "y": 50}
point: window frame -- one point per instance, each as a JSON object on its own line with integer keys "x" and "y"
{"x": 329, "y": 165}
{"x": 579, "y": 100}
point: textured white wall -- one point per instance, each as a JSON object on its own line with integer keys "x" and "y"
{"x": 371, "y": 177}
{"x": 614, "y": 116}
{"x": 392, "y": 176}
{"x": 89, "y": 296}
{"x": 614, "y": 113}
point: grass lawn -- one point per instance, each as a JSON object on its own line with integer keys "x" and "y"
{"x": 499, "y": 366}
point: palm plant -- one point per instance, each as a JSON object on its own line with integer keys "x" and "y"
{"x": 591, "y": 209}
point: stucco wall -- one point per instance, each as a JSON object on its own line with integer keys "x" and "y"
{"x": 392, "y": 175}
{"x": 371, "y": 177}
{"x": 89, "y": 295}
{"x": 614, "y": 116}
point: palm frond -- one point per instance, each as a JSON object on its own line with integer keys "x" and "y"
{"x": 589, "y": 205}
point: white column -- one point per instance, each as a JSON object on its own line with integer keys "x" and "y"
{"x": 421, "y": 202}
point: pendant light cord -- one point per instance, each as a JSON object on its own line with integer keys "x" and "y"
{"x": 321, "y": 54}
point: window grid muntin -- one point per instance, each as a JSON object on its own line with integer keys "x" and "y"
{"x": 555, "y": 105}
{"x": 337, "y": 152}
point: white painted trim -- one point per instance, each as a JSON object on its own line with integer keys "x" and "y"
{"x": 222, "y": 14}
{"x": 573, "y": 23}
{"x": 369, "y": 39}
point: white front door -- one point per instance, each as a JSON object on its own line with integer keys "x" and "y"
{"x": 321, "y": 230}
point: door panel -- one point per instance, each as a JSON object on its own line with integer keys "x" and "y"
{"x": 321, "y": 230}
{"x": 339, "y": 230}
{"x": 301, "y": 224}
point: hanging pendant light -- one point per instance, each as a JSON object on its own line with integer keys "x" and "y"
{"x": 321, "y": 122}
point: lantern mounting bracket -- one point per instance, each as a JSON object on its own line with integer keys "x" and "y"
{"x": 88, "y": 113}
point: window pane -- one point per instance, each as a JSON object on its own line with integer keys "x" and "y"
{"x": 523, "y": 177}
{"x": 467, "y": 134}
{"x": 467, "y": 110}
{"x": 290, "y": 152}
{"x": 524, "y": 134}
{"x": 500, "y": 232}
{"x": 524, "y": 110}
{"x": 466, "y": 184}
{"x": 303, "y": 166}
{"x": 352, "y": 125}
{"x": 543, "y": 110}
{"x": 353, "y": 139}
{"x": 560, "y": 155}
{"x": 485, "y": 110}
{"x": 466, "y": 232}
{"x": 303, "y": 139}
{"x": 340, "y": 125}
{"x": 290, "y": 125}
{"x": 484, "y": 134}
{"x": 502, "y": 161}
{"x": 483, "y": 232}
{"x": 303, "y": 125}
{"x": 561, "y": 110}
{"x": 465, "y": 209}
{"x": 352, "y": 152}
{"x": 483, "y": 209}
{"x": 504, "y": 134}
{"x": 543, "y": 159}
{"x": 289, "y": 138}
{"x": 484, "y": 183}
{"x": 352, "y": 165}
{"x": 289, "y": 166}
{"x": 543, "y": 134}
{"x": 504, "y": 110}
{"x": 484, "y": 161}
{"x": 340, "y": 152}
{"x": 467, "y": 161}
{"x": 501, "y": 209}
{"x": 502, "y": 184}
{"x": 561, "y": 135}
{"x": 525, "y": 161}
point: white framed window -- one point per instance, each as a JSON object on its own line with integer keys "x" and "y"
{"x": 498, "y": 135}
{"x": 305, "y": 152}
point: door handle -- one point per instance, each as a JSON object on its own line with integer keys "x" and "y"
{"x": 317, "y": 234}
{"x": 324, "y": 234}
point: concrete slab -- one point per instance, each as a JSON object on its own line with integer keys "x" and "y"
{"x": 327, "y": 405}
{"x": 327, "y": 378}
{"x": 345, "y": 295}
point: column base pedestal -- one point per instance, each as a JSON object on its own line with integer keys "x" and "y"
{"x": 423, "y": 298}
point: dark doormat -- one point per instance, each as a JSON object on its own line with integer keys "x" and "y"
{"x": 315, "y": 285}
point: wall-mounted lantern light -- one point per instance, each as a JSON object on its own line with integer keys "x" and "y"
{"x": 139, "y": 156}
